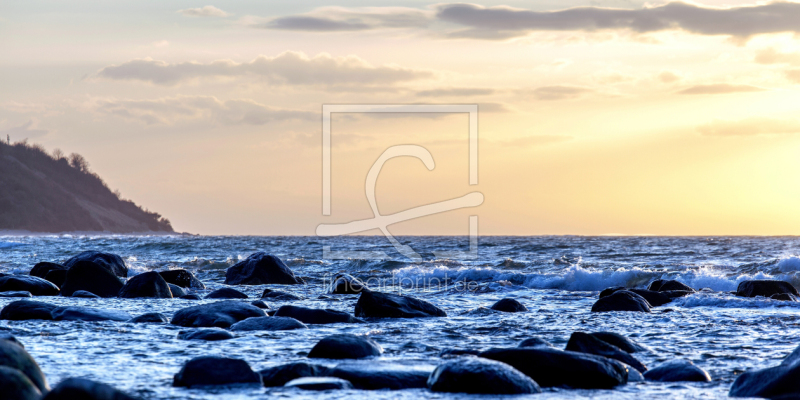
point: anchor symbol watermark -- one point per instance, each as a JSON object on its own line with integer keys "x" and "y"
{"x": 382, "y": 222}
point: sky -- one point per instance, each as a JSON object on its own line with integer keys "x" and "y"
{"x": 595, "y": 117}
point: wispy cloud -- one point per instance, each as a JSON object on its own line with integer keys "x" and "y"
{"x": 456, "y": 92}
{"x": 26, "y": 130}
{"x": 559, "y": 92}
{"x": 336, "y": 19}
{"x": 207, "y": 11}
{"x": 720, "y": 88}
{"x": 750, "y": 127}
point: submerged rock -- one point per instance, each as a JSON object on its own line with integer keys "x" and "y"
{"x": 550, "y": 367}
{"x": 14, "y": 356}
{"x": 15, "y": 294}
{"x": 776, "y": 382}
{"x": 261, "y": 269}
{"x": 73, "y": 313}
{"x": 480, "y": 376}
{"x": 509, "y": 305}
{"x": 345, "y": 345}
{"x": 458, "y": 352}
{"x": 190, "y": 296}
{"x": 21, "y": 310}
{"x": 91, "y": 277}
{"x": 765, "y": 288}
{"x": 346, "y": 284}
{"x": 212, "y": 370}
{"x": 281, "y": 374}
{"x": 582, "y": 342}
{"x": 622, "y": 300}
{"x": 662, "y": 285}
{"x": 226, "y": 293}
{"x": 221, "y": 314}
{"x": 615, "y": 339}
{"x": 278, "y": 295}
{"x": 14, "y": 385}
{"x": 677, "y": 371}
{"x": 148, "y": 284}
{"x": 182, "y": 278}
{"x": 156, "y": 318}
{"x": 535, "y": 342}
{"x": 84, "y": 294}
{"x": 315, "y": 315}
{"x": 84, "y": 389}
{"x": 319, "y": 383}
{"x": 41, "y": 269}
{"x": 268, "y": 324}
{"x": 210, "y": 334}
{"x": 37, "y": 286}
{"x": 654, "y": 298}
{"x": 111, "y": 262}
{"x": 386, "y": 305}
{"x": 371, "y": 375}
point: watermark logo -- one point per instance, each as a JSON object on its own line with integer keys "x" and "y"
{"x": 380, "y": 221}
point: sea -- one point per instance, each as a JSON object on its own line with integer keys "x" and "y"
{"x": 557, "y": 278}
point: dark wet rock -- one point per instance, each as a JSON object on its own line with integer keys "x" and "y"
{"x": 509, "y": 305}
{"x": 157, "y": 318}
{"x": 677, "y": 371}
{"x": 775, "y": 382}
{"x": 41, "y": 269}
{"x": 260, "y": 304}
{"x": 662, "y": 285}
{"x": 176, "y": 290}
{"x": 15, "y": 294}
{"x": 622, "y": 300}
{"x": 221, "y": 314}
{"x": 765, "y": 288}
{"x": 550, "y": 367}
{"x": 281, "y": 374}
{"x": 458, "y": 352}
{"x": 278, "y": 295}
{"x": 11, "y": 338}
{"x": 210, "y": 334}
{"x": 615, "y": 339}
{"x": 21, "y": 310}
{"x": 386, "y": 305}
{"x": 582, "y": 342}
{"x": 182, "y": 278}
{"x": 655, "y": 299}
{"x": 72, "y": 313}
{"x": 212, "y": 370}
{"x": 14, "y": 385}
{"x": 190, "y": 296}
{"x": 345, "y": 345}
{"x": 316, "y": 315}
{"x": 268, "y": 324}
{"x": 380, "y": 375}
{"x": 226, "y": 293}
{"x": 480, "y": 376}
{"x": 320, "y": 383}
{"x": 56, "y": 277}
{"x": 26, "y": 283}
{"x": 783, "y": 297}
{"x": 85, "y": 295}
{"x": 148, "y": 284}
{"x": 633, "y": 374}
{"x": 535, "y": 342}
{"x": 346, "y": 284}
{"x": 84, "y": 389}
{"x": 261, "y": 269}
{"x": 111, "y": 262}
{"x": 91, "y": 277}
{"x": 14, "y": 356}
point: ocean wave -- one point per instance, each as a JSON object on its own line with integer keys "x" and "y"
{"x": 9, "y": 245}
{"x": 728, "y": 301}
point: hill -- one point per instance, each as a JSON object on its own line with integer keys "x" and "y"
{"x": 41, "y": 192}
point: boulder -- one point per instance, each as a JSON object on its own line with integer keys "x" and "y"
{"x": 108, "y": 261}
{"x": 226, "y": 293}
{"x": 150, "y": 318}
{"x": 190, "y": 296}
{"x": 551, "y": 367}
{"x": 677, "y": 371}
{"x": 85, "y": 295}
{"x": 372, "y": 375}
{"x": 662, "y": 285}
{"x": 15, "y": 294}
{"x": 458, "y": 352}
{"x": 582, "y": 342}
{"x": 344, "y": 346}
{"x": 84, "y": 389}
{"x": 9, "y": 337}
{"x": 221, "y": 314}
{"x": 509, "y": 305}
{"x": 41, "y": 269}
{"x": 476, "y": 375}
{"x": 655, "y": 299}
{"x": 21, "y": 310}
{"x": 56, "y": 277}
{"x": 321, "y": 383}
{"x": 37, "y": 286}
{"x": 213, "y": 370}
{"x": 14, "y": 385}
{"x": 260, "y": 304}
{"x": 315, "y": 315}
{"x": 182, "y": 278}
{"x": 783, "y": 297}
{"x": 346, "y": 284}
{"x": 775, "y": 382}
{"x": 268, "y": 324}
{"x": 72, "y": 313}
{"x": 765, "y": 288}
{"x": 14, "y": 356}
{"x": 386, "y": 305}
{"x": 622, "y": 342}
{"x": 91, "y": 277}
{"x": 176, "y": 290}
{"x": 261, "y": 269}
{"x": 281, "y": 374}
{"x": 278, "y": 295}
{"x": 622, "y": 300}
{"x": 535, "y": 342}
{"x": 148, "y": 284}
{"x": 209, "y": 334}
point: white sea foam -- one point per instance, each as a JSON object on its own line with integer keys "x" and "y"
{"x": 8, "y": 245}
{"x": 789, "y": 264}
{"x": 728, "y": 301}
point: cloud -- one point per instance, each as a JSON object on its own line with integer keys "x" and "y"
{"x": 456, "y": 92}
{"x": 750, "y": 127}
{"x": 720, "y": 88}
{"x": 289, "y": 68}
{"x": 793, "y": 75}
{"x": 669, "y": 76}
{"x": 494, "y": 108}
{"x": 559, "y": 92}
{"x": 502, "y": 22}
{"x": 170, "y": 110}
{"x": 26, "y": 130}
{"x": 207, "y": 11}
{"x": 337, "y": 19}
{"x": 773, "y": 56}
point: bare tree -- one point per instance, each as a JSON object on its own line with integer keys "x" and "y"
{"x": 58, "y": 154}
{"x": 78, "y": 162}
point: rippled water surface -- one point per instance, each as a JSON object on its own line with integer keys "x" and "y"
{"x": 557, "y": 278}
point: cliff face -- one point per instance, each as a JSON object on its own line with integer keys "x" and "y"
{"x": 44, "y": 193}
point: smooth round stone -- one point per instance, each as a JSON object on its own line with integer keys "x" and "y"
{"x": 319, "y": 383}
{"x": 268, "y": 324}
{"x": 211, "y": 334}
